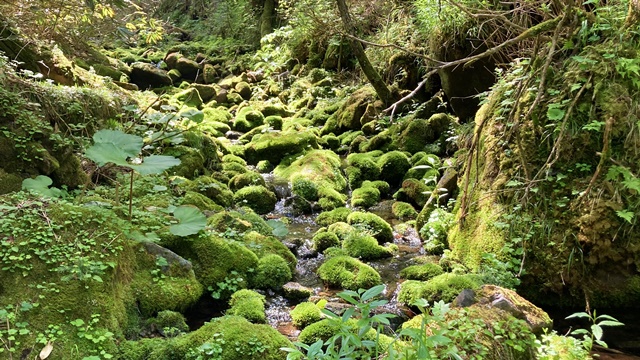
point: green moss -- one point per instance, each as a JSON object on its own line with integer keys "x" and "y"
{"x": 381, "y": 229}
{"x": 367, "y": 166}
{"x": 200, "y": 201}
{"x": 421, "y": 272}
{"x": 249, "y": 305}
{"x": 9, "y": 182}
{"x": 263, "y": 245}
{"x": 443, "y": 287}
{"x": 414, "y": 191}
{"x": 247, "y": 119}
{"x": 420, "y": 133}
{"x": 211, "y": 188}
{"x": 214, "y": 258}
{"x": 264, "y": 166}
{"x": 249, "y": 178}
{"x": 341, "y": 229}
{"x": 403, "y": 211}
{"x": 364, "y": 246}
{"x": 327, "y": 218}
{"x": 231, "y": 158}
{"x": 331, "y": 141}
{"x": 348, "y": 273}
{"x": 304, "y": 187}
{"x": 276, "y": 145}
{"x": 393, "y": 167}
{"x": 274, "y": 121}
{"x": 232, "y": 169}
{"x": 382, "y": 186}
{"x": 273, "y": 272}
{"x": 189, "y": 97}
{"x": 330, "y": 198}
{"x": 365, "y": 197}
{"x": 426, "y": 167}
{"x": 322, "y": 167}
{"x": 168, "y": 319}
{"x": 191, "y": 161}
{"x": 323, "y": 240}
{"x": 305, "y": 314}
{"x": 257, "y": 197}
{"x": 240, "y": 221}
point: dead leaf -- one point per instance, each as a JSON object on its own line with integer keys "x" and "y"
{"x": 46, "y": 351}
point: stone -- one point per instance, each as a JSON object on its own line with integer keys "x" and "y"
{"x": 147, "y": 76}
{"x": 296, "y": 292}
{"x": 172, "y": 59}
{"x": 188, "y": 68}
{"x": 172, "y": 258}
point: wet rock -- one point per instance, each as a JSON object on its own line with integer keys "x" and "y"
{"x": 232, "y": 135}
{"x": 296, "y": 292}
{"x": 448, "y": 181}
{"x": 148, "y": 76}
{"x": 171, "y": 257}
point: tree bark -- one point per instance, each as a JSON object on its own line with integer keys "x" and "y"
{"x": 266, "y": 19}
{"x": 369, "y": 71}
{"x": 634, "y": 13}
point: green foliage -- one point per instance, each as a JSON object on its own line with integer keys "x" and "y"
{"x": 41, "y": 186}
{"x": 191, "y": 221}
{"x": 228, "y": 286}
{"x": 595, "y": 332}
{"x": 348, "y": 273}
{"x": 434, "y": 232}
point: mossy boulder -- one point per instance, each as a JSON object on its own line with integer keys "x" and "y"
{"x": 443, "y": 287}
{"x": 277, "y": 145}
{"x": 257, "y": 197}
{"x": 348, "y": 273}
{"x": 351, "y": 115}
{"x": 206, "y": 92}
{"x": 231, "y": 169}
{"x": 240, "y": 221}
{"x": 189, "y": 97}
{"x": 244, "y": 89}
{"x": 211, "y": 188}
{"x": 249, "y": 305}
{"x": 393, "y": 166}
{"x": 168, "y": 293}
{"x": 148, "y": 76}
{"x": 231, "y": 158}
{"x": 365, "y": 197}
{"x": 189, "y": 69}
{"x": 403, "y": 211}
{"x": 263, "y": 245}
{"x": 365, "y": 247}
{"x": 192, "y": 162}
{"x": 323, "y": 240}
{"x": 380, "y": 229}
{"x": 247, "y": 119}
{"x": 264, "y": 166}
{"x": 414, "y": 191}
{"x": 168, "y": 320}
{"x": 419, "y": 132}
{"x": 330, "y": 199}
{"x": 273, "y": 272}
{"x": 422, "y": 272}
{"x": 327, "y": 218}
{"x": 200, "y": 201}
{"x": 250, "y": 178}
{"x": 275, "y": 122}
{"x": 341, "y": 229}
{"x": 305, "y": 314}
{"x": 322, "y": 167}
{"x": 9, "y": 182}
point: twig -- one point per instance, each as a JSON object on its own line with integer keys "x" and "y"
{"x": 604, "y": 156}
{"x": 395, "y": 46}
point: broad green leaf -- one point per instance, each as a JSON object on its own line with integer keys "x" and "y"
{"x": 610, "y": 323}
{"x": 155, "y": 164}
{"x": 597, "y": 331}
{"x": 104, "y": 153}
{"x": 371, "y": 293}
{"x": 40, "y": 185}
{"x": 129, "y": 144}
{"x": 279, "y": 228}
{"x": 555, "y": 114}
{"x": 196, "y": 116}
{"x": 192, "y": 220}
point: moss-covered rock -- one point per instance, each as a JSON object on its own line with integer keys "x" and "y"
{"x": 403, "y": 211}
{"x": 9, "y": 182}
{"x": 323, "y": 240}
{"x": 330, "y": 199}
{"x": 192, "y": 162}
{"x": 189, "y": 97}
{"x": 422, "y": 272}
{"x": 263, "y": 245}
{"x": 169, "y": 293}
{"x": 249, "y": 305}
{"x": 148, "y": 76}
{"x": 419, "y": 133}
{"x": 414, "y": 191}
{"x": 327, "y": 218}
{"x": 305, "y": 314}
{"x": 188, "y": 68}
{"x": 362, "y": 167}
{"x": 169, "y": 321}
{"x": 393, "y": 166}
{"x": 273, "y": 272}
{"x": 381, "y": 229}
{"x": 275, "y": 122}
{"x": 250, "y": 178}
{"x": 257, "y": 197}
{"x": 240, "y": 221}
{"x": 341, "y": 229}
{"x": 276, "y": 145}
{"x": 247, "y": 119}
{"x": 232, "y": 169}
{"x": 244, "y": 89}
{"x": 443, "y": 287}
{"x": 211, "y": 188}
{"x": 322, "y": 167}
{"x": 200, "y": 201}
{"x": 264, "y": 166}
{"x": 364, "y": 246}
{"x": 348, "y": 273}
{"x": 365, "y": 197}
{"x": 351, "y": 115}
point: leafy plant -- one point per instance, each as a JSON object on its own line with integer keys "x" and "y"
{"x": 279, "y": 228}
{"x": 595, "y": 332}
{"x": 191, "y": 221}
{"x": 41, "y": 186}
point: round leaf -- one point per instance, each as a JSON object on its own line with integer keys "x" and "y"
{"x": 192, "y": 220}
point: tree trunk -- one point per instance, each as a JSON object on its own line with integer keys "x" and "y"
{"x": 372, "y": 75}
{"x": 266, "y": 20}
{"x": 634, "y": 13}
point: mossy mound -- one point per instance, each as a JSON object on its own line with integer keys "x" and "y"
{"x": 250, "y": 178}
{"x": 257, "y": 197}
{"x": 325, "y": 329}
{"x": 348, "y": 273}
{"x": 192, "y": 162}
{"x": 323, "y": 240}
{"x": 249, "y": 305}
{"x": 380, "y": 229}
{"x": 443, "y": 287}
{"x": 365, "y": 197}
{"x": 247, "y": 119}
{"x": 421, "y": 272}
{"x": 263, "y": 245}
{"x": 330, "y": 199}
{"x": 322, "y": 167}
{"x": 419, "y": 132}
{"x": 305, "y": 314}
{"x": 275, "y": 146}
{"x": 211, "y": 188}
{"x": 364, "y": 246}
{"x": 273, "y": 272}
{"x": 341, "y": 229}
{"x": 240, "y": 221}
{"x": 327, "y": 218}
{"x": 393, "y": 166}
{"x": 362, "y": 167}
{"x": 403, "y": 211}
{"x": 188, "y": 97}
{"x": 414, "y": 191}
{"x": 165, "y": 293}
{"x": 214, "y": 259}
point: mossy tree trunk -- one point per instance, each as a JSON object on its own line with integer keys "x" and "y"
{"x": 372, "y": 75}
{"x": 266, "y": 19}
